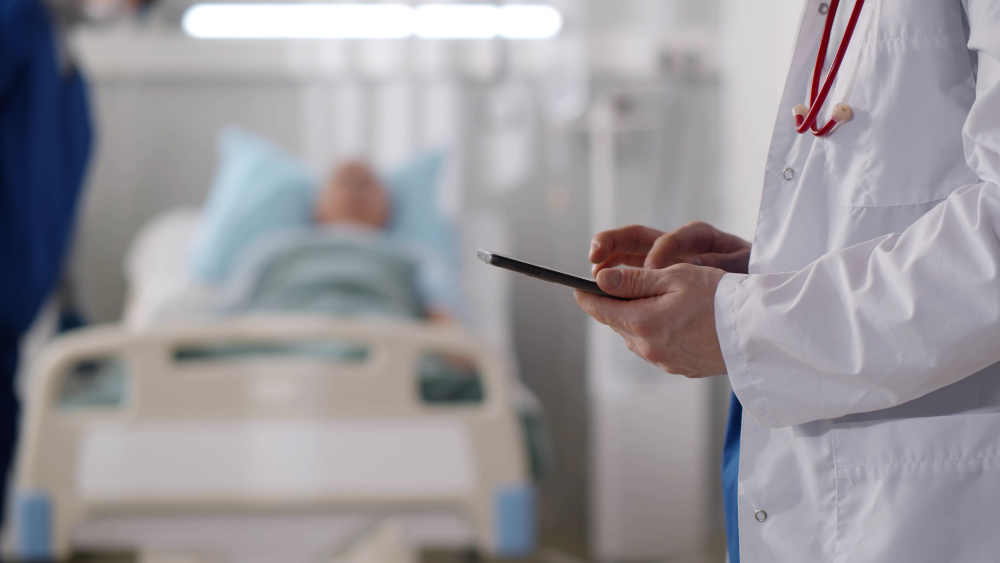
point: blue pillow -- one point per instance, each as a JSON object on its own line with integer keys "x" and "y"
{"x": 257, "y": 189}
{"x": 415, "y": 215}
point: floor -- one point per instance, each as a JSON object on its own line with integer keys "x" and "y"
{"x": 546, "y": 554}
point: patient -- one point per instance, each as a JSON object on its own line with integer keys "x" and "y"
{"x": 350, "y": 265}
{"x": 353, "y": 195}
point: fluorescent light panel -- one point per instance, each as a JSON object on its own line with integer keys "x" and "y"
{"x": 371, "y": 21}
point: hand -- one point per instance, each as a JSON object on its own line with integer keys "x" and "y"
{"x": 695, "y": 243}
{"x": 670, "y": 320}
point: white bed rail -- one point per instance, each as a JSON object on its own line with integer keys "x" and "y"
{"x": 359, "y": 425}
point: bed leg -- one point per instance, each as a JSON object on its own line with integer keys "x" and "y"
{"x": 33, "y": 527}
{"x": 515, "y": 521}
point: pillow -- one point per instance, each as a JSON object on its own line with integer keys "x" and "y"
{"x": 257, "y": 189}
{"x": 415, "y": 215}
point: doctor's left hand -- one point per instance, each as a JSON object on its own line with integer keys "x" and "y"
{"x": 669, "y": 319}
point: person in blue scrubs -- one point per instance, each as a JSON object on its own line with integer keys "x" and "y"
{"x": 731, "y": 476}
{"x": 45, "y": 142}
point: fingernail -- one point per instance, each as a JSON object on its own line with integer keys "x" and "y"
{"x": 594, "y": 246}
{"x": 697, "y": 261}
{"x": 613, "y": 278}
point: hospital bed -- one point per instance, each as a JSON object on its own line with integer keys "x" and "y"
{"x": 233, "y": 444}
{"x": 283, "y": 438}
{"x": 244, "y": 439}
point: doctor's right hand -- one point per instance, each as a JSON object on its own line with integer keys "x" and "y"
{"x": 695, "y": 243}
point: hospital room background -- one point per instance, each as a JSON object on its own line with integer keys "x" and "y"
{"x": 213, "y": 404}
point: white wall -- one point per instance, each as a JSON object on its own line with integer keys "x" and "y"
{"x": 748, "y": 43}
{"x": 745, "y": 48}
{"x": 756, "y": 40}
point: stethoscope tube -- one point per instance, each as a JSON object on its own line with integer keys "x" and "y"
{"x": 805, "y": 118}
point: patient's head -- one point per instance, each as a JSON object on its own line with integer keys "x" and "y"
{"x": 353, "y": 195}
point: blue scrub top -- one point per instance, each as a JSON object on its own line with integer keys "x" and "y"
{"x": 730, "y": 477}
{"x": 45, "y": 139}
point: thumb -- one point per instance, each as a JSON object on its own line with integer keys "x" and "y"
{"x": 633, "y": 283}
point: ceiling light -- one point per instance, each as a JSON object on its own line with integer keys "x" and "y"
{"x": 371, "y": 21}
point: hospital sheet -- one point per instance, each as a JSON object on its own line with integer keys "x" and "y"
{"x": 319, "y": 274}
{"x": 342, "y": 271}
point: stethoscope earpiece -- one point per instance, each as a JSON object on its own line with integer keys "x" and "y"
{"x": 841, "y": 113}
{"x": 806, "y": 116}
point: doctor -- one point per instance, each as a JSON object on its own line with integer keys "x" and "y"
{"x": 861, "y": 331}
{"x": 44, "y": 144}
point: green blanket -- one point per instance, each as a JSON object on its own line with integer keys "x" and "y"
{"x": 338, "y": 278}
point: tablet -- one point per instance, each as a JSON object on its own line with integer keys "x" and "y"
{"x": 542, "y": 273}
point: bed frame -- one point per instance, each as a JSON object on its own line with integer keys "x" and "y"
{"x": 327, "y": 439}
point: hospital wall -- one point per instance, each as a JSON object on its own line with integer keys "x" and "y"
{"x": 693, "y": 69}
{"x": 157, "y": 150}
{"x": 756, "y": 41}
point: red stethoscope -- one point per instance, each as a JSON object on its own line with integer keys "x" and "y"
{"x": 805, "y": 117}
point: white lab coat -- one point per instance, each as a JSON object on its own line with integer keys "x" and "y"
{"x": 863, "y": 344}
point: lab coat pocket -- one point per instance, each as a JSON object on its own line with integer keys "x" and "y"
{"x": 920, "y": 489}
{"x": 904, "y": 144}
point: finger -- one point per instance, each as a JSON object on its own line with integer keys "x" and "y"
{"x": 691, "y": 239}
{"x": 634, "y": 260}
{"x": 604, "y": 310}
{"x": 634, "y": 283}
{"x": 593, "y": 305}
{"x": 634, "y": 239}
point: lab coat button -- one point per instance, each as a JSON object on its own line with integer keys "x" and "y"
{"x": 788, "y": 174}
{"x": 824, "y": 8}
{"x": 760, "y": 515}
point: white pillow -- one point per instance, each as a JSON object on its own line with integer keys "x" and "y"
{"x": 156, "y": 268}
